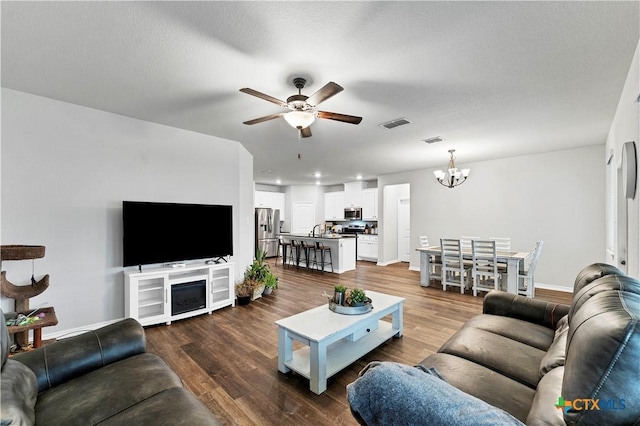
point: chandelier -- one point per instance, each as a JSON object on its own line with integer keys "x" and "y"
{"x": 452, "y": 177}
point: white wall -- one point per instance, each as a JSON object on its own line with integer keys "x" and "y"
{"x": 66, "y": 170}
{"x": 626, "y": 128}
{"x": 556, "y": 197}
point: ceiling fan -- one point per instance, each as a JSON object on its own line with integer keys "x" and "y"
{"x": 302, "y": 110}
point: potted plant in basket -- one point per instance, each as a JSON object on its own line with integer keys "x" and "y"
{"x": 257, "y": 272}
{"x": 270, "y": 283}
{"x": 356, "y": 297}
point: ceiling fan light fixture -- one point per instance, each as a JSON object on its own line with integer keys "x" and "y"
{"x": 300, "y": 119}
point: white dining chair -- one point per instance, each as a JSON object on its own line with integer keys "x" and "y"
{"x": 454, "y": 271}
{"x": 502, "y": 243}
{"x": 434, "y": 261}
{"x": 526, "y": 282}
{"x": 465, "y": 242}
{"x": 484, "y": 271}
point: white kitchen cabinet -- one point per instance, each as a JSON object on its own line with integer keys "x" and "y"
{"x": 370, "y": 204}
{"x": 368, "y": 247}
{"x": 279, "y": 204}
{"x": 272, "y": 200}
{"x": 148, "y": 298}
{"x": 353, "y": 194}
{"x": 334, "y": 206}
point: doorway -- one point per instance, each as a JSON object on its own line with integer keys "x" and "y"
{"x": 404, "y": 230}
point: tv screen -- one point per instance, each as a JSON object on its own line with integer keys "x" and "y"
{"x": 170, "y": 232}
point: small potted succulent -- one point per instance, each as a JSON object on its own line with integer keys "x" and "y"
{"x": 270, "y": 283}
{"x": 356, "y": 297}
{"x": 338, "y": 294}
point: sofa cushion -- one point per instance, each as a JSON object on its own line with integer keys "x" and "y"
{"x": 481, "y": 382}
{"x": 165, "y": 408}
{"x": 603, "y": 349}
{"x": 19, "y": 394}
{"x": 393, "y": 394}
{"x": 515, "y": 360}
{"x": 606, "y": 283}
{"x": 74, "y": 356}
{"x": 593, "y": 272}
{"x": 525, "y": 332}
{"x": 543, "y": 410}
{"x": 105, "y": 392}
{"x": 557, "y": 351}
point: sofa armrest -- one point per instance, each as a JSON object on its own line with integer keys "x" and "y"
{"x": 524, "y": 308}
{"x": 69, "y": 358}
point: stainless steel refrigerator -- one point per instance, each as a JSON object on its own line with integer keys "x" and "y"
{"x": 267, "y": 231}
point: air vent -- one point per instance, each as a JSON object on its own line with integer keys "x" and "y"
{"x": 433, "y": 139}
{"x": 395, "y": 123}
{"x": 265, "y": 171}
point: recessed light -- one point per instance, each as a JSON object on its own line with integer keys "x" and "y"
{"x": 317, "y": 182}
{"x": 359, "y": 177}
{"x": 278, "y": 181}
{"x": 317, "y": 174}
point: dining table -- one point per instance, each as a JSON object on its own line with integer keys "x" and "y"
{"x": 513, "y": 259}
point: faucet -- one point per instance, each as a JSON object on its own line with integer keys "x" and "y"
{"x": 313, "y": 231}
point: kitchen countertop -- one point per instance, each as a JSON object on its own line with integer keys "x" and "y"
{"x": 320, "y": 237}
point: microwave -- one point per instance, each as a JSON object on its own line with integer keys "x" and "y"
{"x": 353, "y": 213}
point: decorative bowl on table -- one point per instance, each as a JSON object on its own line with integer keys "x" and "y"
{"x": 367, "y": 306}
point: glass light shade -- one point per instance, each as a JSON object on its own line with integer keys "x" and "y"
{"x": 465, "y": 172}
{"x": 439, "y": 174}
{"x": 300, "y": 119}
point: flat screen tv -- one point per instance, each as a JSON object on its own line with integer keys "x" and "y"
{"x": 170, "y": 232}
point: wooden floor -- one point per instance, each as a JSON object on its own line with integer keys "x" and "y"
{"x": 229, "y": 359}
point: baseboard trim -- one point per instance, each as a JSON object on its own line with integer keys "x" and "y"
{"x": 414, "y": 268}
{"x": 553, "y": 287}
{"x": 387, "y": 263}
{"x": 76, "y": 331}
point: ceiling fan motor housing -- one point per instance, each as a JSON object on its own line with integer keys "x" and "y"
{"x": 298, "y": 103}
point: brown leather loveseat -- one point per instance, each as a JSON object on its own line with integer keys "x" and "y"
{"x": 100, "y": 377}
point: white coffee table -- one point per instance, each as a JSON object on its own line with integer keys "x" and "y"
{"x": 334, "y": 341}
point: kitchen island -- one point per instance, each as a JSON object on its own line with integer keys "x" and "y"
{"x": 343, "y": 249}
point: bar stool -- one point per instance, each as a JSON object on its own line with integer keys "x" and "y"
{"x": 283, "y": 247}
{"x": 320, "y": 247}
{"x": 294, "y": 253}
{"x": 306, "y": 248}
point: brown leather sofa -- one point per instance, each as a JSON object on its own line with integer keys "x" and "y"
{"x": 543, "y": 363}
{"x": 100, "y": 377}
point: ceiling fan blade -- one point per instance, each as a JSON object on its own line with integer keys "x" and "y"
{"x": 306, "y": 132}
{"x": 339, "y": 117}
{"x": 265, "y": 118}
{"x": 327, "y": 91}
{"x": 263, "y": 96}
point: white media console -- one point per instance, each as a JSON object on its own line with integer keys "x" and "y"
{"x": 148, "y": 294}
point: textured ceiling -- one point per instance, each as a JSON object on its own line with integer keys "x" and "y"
{"x": 493, "y": 79}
